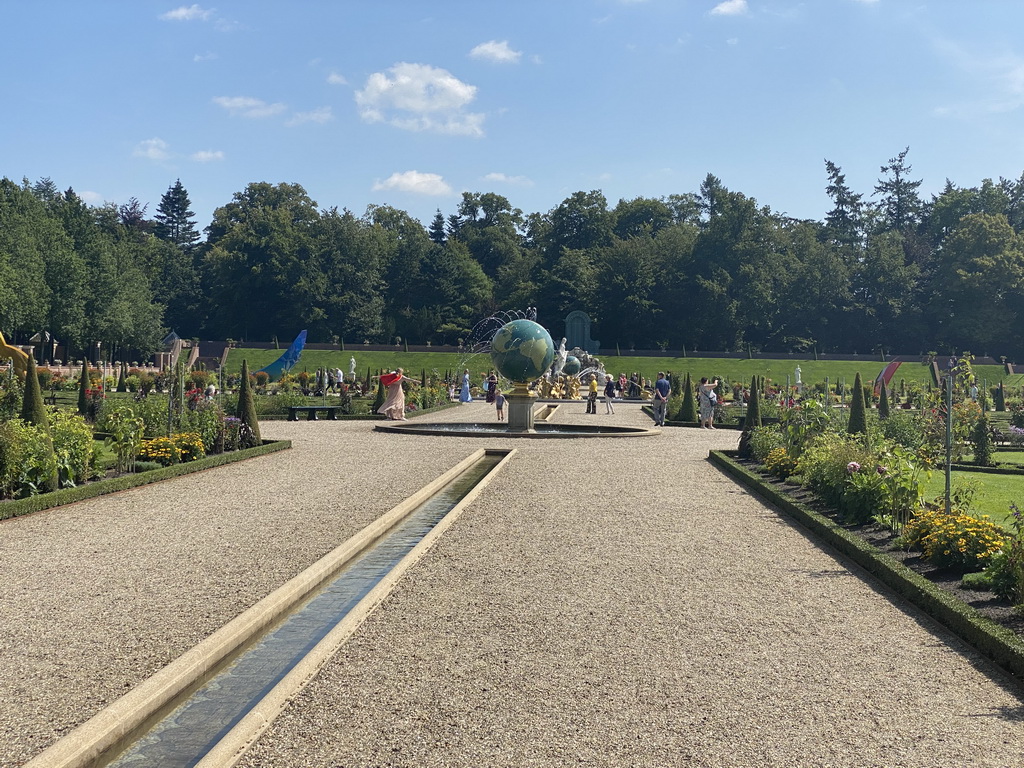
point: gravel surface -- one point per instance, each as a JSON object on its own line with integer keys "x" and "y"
{"x": 603, "y": 602}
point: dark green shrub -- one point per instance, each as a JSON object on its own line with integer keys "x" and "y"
{"x": 83, "y": 387}
{"x": 752, "y": 420}
{"x": 146, "y": 466}
{"x": 883, "y": 403}
{"x": 250, "y": 428}
{"x": 981, "y": 439}
{"x": 858, "y": 409}
{"x": 688, "y": 408}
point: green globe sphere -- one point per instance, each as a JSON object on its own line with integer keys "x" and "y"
{"x": 522, "y": 350}
{"x": 572, "y": 366}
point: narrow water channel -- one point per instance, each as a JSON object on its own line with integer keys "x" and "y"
{"x": 184, "y": 736}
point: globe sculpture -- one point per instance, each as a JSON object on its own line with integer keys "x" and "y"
{"x": 522, "y": 351}
{"x": 572, "y": 366}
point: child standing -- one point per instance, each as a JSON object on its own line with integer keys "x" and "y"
{"x": 499, "y": 403}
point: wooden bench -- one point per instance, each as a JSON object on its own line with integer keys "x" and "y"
{"x": 311, "y": 411}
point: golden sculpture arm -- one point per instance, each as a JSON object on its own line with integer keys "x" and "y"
{"x": 18, "y": 358}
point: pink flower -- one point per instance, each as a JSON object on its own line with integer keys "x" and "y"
{"x": 852, "y": 467}
{"x": 882, "y": 470}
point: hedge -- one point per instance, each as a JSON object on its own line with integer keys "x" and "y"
{"x": 9, "y": 509}
{"x": 996, "y": 642}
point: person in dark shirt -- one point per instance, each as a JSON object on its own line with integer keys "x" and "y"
{"x": 662, "y": 389}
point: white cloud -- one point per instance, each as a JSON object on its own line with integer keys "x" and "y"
{"x": 319, "y": 115}
{"x": 152, "y": 149}
{"x": 187, "y": 13}
{"x": 997, "y": 80}
{"x": 204, "y": 57}
{"x": 730, "y": 8}
{"x": 91, "y": 198}
{"x": 502, "y": 178}
{"x": 207, "y": 156}
{"x": 414, "y": 182}
{"x": 499, "y": 52}
{"x": 418, "y": 97}
{"x": 245, "y": 106}
{"x": 335, "y": 79}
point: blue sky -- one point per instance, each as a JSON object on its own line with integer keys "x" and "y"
{"x": 409, "y": 104}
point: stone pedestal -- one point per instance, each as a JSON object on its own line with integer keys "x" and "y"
{"x": 520, "y": 403}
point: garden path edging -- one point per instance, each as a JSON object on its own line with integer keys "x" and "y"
{"x": 18, "y": 507}
{"x": 995, "y": 642}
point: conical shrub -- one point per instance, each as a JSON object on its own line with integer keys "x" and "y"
{"x": 381, "y": 396}
{"x": 121, "y": 385}
{"x": 883, "y": 402}
{"x": 688, "y": 409}
{"x": 83, "y": 386}
{"x": 752, "y": 420}
{"x": 247, "y": 411}
{"x": 858, "y": 410}
{"x": 33, "y": 411}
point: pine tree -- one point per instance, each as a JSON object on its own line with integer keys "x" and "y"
{"x": 883, "y": 403}
{"x": 436, "y": 231}
{"x": 858, "y": 411}
{"x": 83, "y": 386}
{"x": 174, "y": 219}
{"x": 752, "y": 420}
{"x": 247, "y": 411}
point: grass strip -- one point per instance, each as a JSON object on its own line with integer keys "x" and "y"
{"x": 995, "y": 642}
{"x": 18, "y": 507}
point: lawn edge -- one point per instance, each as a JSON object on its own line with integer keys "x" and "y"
{"x": 19, "y": 507}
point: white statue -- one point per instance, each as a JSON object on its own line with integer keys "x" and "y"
{"x": 352, "y": 368}
{"x": 560, "y": 357}
{"x": 798, "y": 381}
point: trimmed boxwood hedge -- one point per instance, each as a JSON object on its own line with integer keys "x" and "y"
{"x": 42, "y": 501}
{"x": 996, "y": 642}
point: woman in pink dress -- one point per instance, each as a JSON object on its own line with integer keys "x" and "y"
{"x": 394, "y": 405}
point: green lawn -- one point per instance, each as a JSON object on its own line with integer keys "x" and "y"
{"x": 995, "y": 492}
{"x": 730, "y": 369}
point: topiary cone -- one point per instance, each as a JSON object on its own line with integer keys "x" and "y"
{"x": 33, "y": 411}
{"x": 83, "y": 385}
{"x": 688, "y": 409}
{"x": 858, "y": 410}
{"x": 752, "y": 420}
{"x": 883, "y": 403}
{"x": 121, "y": 385}
{"x": 381, "y": 397}
{"x": 247, "y": 406}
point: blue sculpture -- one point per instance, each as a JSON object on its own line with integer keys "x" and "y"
{"x": 285, "y": 362}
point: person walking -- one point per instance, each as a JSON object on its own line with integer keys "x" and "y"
{"x": 609, "y": 395}
{"x": 464, "y": 395}
{"x": 491, "y": 386}
{"x": 394, "y": 405}
{"x": 662, "y": 389}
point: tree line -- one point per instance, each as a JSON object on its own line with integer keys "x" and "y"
{"x": 707, "y": 270}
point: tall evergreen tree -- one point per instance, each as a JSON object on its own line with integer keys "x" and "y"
{"x": 437, "y": 228}
{"x": 174, "y": 219}
{"x": 845, "y": 219}
{"x": 900, "y": 203}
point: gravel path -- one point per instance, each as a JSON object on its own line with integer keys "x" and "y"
{"x": 604, "y": 602}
